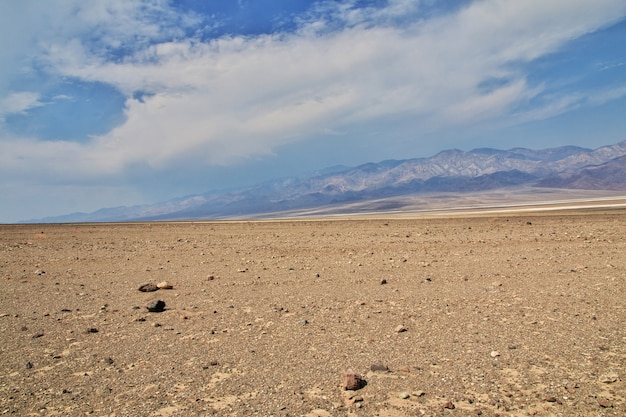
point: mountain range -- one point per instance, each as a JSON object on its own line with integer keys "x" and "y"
{"x": 450, "y": 171}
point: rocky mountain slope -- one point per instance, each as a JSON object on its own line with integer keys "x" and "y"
{"x": 451, "y": 171}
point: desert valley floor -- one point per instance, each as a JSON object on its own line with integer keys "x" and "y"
{"x": 494, "y": 315}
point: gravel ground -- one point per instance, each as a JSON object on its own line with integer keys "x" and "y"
{"x": 516, "y": 315}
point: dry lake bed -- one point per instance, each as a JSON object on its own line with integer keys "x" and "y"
{"x": 494, "y": 315}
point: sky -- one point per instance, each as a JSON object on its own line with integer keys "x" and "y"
{"x": 107, "y": 103}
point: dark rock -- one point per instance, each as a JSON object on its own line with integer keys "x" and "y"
{"x": 604, "y": 403}
{"x": 379, "y": 368}
{"x": 383, "y": 281}
{"x": 28, "y": 365}
{"x": 92, "y": 330}
{"x": 156, "y": 306}
{"x": 37, "y": 335}
{"x": 148, "y": 287}
{"x": 352, "y": 381}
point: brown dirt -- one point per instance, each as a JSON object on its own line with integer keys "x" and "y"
{"x": 499, "y": 315}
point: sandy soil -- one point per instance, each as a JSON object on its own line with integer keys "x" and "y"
{"x": 509, "y": 315}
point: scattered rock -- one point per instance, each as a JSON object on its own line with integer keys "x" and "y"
{"x": 352, "y": 381}
{"x": 379, "y": 368}
{"x": 448, "y": 405}
{"x": 494, "y": 353}
{"x": 28, "y": 365}
{"x": 609, "y": 378}
{"x": 156, "y": 306}
{"x": 404, "y": 395}
{"x": 37, "y": 335}
{"x": 148, "y": 287}
{"x": 40, "y": 272}
{"x": 164, "y": 285}
{"x": 352, "y": 399}
{"x": 400, "y": 329}
{"x": 92, "y": 330}
{"x": 419, "y": 393}
{"x": 604, "y": 403}
{"x": 383, "y": 281}
{"x": 210, "y": 277}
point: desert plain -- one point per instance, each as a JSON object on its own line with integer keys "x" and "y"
{"x": 510, "y": 314}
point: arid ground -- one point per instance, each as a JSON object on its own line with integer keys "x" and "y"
{"x": 491, "y": 314}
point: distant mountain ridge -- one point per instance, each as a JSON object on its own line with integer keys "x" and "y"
{"x": 450, "y": 170}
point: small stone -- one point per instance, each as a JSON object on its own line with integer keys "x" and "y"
{"x": 496, "y": 284}
{"x": 604, "y": 403}
{"x": 92, "y": 330}
{"x": 383, "y": 281}
{"x": 379, "y": 368}
{"x": 609, "y": 378}
{"x": 400, "y": 329}
{"x": 419, "y": 393}
{"x": 352, "y": 381}
{"x": 28, "y": 365}
{"x": 40, "y": 272}
{"x": 210, "y": 277}
{"x": 448, "y": 405}
{"x": 351, "y": 398}
{"x": 156, "y": 306}
{"x": 148, "y": 287}
{"x": 404, "y": 395}
{"x": 164, "y": 285}
{"x": 494, "y": 353}
{"x": 37, "y": 335}
{"x": 551, "y": 399}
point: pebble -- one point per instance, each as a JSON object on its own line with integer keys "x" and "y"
{"x": 604, "y": 403}
{"x": 164, "y": 285}
{"x": 352, "y": 381}
{"x": 448, "y": 405}
{"x": 494, "y": 353}
{"x": 383, "y": 281}
{"x": 148, "y": 287}
{"x": 156, "y": 306}
{"x": 609, "y": 378}
{"x": 400, "y": 329}
{"x": 92, "y": 330}
{"x": 404, "y": 395}
{"x": 40, "y": 272}
{"x": 379, "y": 368}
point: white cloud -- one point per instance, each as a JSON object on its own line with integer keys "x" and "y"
{"x": 19, "y": 103}
{"x": 232, "y": 98}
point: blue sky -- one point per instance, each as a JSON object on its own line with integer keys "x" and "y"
{"x": 121, "y": 102}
